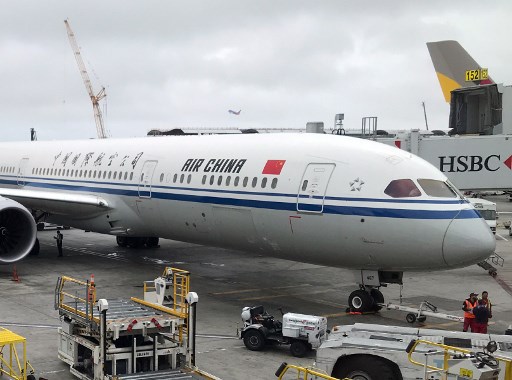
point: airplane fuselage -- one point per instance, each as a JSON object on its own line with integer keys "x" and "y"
{"x": 305, "y": 197}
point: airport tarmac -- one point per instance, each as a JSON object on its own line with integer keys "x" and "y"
{"x": 226, "y": 281}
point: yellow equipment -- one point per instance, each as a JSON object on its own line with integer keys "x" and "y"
{"x": 11, "y": 364}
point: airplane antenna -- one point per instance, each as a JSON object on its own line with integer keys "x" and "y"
{"x": 425, "y": 113}
{"x": 100, "y": 128}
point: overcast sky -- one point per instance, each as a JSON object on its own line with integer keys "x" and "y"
{"x": 168, "y": 64}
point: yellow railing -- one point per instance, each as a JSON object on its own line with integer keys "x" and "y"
{"x": 84, "y": 295}
{"x": 11, "y": 364}
{"x": 447, "y": 352}
{"x": 303, "y": 373}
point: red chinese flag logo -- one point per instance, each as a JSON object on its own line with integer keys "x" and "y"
{"x": 273, "y": 167}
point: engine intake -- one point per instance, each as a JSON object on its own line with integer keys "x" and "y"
{"x": 17, "y": 231}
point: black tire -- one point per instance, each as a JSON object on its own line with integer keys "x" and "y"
{"x": 254, "y": 340}
{"x": 360, "y": 301}
{"x": 422, "y": 318}
{"x": 152, "y": 242}
{"x": 365, "y": 367}
{"x": 378, "y": 297}
{"x": 411, "y": 318}
{"x": 121, "y": 241}
{"x": 134, "y": 242}
{"x": 35, "y": 248}
{"x": 299, "y": 348}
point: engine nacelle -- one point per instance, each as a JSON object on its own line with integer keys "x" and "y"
{"x": 17, "y": 231}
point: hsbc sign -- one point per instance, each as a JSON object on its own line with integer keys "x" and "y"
{"x": 461, "y": 164}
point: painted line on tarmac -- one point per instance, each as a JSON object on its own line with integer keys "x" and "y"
{"x": 501, "y": 237}
{"x": 284, "y": 295}
{"x": 217, "y": 336}
{"x": 446, "y": 324}
{"x": 38, "y": 326}
{"x": 257, "y": 289}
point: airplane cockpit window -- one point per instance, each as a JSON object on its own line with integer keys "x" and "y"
{"x": 436, "y": 188}
{"x": 402, "y": 188}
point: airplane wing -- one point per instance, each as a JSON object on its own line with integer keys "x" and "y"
{"x": 57, "y": 202}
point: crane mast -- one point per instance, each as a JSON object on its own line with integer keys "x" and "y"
{"x": 100, "y": 129}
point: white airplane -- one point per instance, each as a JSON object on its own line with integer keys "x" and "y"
{"x": 322, "y": 199}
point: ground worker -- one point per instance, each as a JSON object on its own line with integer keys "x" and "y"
{"x": 481, "y": 314}
{"x": 487, "y": 302}
{"x": 468, "y": 306}
{"x": 59, "y": 238}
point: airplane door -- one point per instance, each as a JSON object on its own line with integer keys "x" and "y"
{"x": 146, "y": 178}
{"x": 313, "y": 187}
{"x": 21, "y": 171}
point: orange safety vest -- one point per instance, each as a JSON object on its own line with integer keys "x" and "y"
{"x": 469, "y": 305}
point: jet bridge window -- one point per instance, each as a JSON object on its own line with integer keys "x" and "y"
{"x": 402, "y": 188}
{"x": 435, "y": 188}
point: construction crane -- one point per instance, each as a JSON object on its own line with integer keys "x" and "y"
{"x": 102, "y": 132}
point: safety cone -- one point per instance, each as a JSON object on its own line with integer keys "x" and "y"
{"x": 15, "y": 276}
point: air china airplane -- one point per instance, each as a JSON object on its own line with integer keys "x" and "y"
{"x": 321, "y": 199}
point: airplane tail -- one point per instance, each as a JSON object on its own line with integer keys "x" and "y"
{"x": 455, "y": 68}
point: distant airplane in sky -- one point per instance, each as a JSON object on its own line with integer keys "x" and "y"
{"x": 235, "y": 112}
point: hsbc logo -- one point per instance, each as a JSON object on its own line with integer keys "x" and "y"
{"x": 461, "y": 164}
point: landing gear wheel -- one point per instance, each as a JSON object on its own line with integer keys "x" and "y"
{"x": 378, "y": 298}
{"x": 299, "y": 348}
{"x": 134, "y": 242}
{"x": 152, "y": 242}
{"x": 121, "y": 241}
{"x": 254, "y": 340}
{"x": 365, "y": 367}
{"x": 411, "y": 318}
{"x": 360, "y": 301}
{"x": 40, "y": 226}
{"x": 422, "y": 318}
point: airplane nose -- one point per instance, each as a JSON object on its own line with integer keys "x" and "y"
{"x": 468, "y": 240}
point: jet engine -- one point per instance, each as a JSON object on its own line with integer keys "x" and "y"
{"x": 17, "y": 231}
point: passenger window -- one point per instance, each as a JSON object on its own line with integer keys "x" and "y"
{"x": 264, "y": 182}
{"x": 175, "y": 178}
{"x": 126, "y": 176}
{"x": 254, "y": 181}
{"x": 402, "y": 188}
{"x": 219, "y": 180}
{"x": 274, "y": 183}
{"x": 204, "y": 179}
{"x": 304, "y": 185}
{"x": 212, "y": 178}
{"x": 94, "y": 175}
{"x": 182, "y": 178}
{"x": 162, "y": 177}
{"x": 246, "y": 179}
{"x": 435, "y": 188}
{"x": 104, "y": 174}
{"x": 237, "y": 179}
{"x": 131, "y": 176}
{"x": 189, "y": 178}
{"x": 228, "y": 180}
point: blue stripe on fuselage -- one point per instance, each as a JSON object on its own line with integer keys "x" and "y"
{"x": 82, "y": 186}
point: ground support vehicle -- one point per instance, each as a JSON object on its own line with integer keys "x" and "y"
{"x": 302, "y": 332}
{"x": 420, "y": 314}
{"x": 126, "y": 338}
{"x": 13, "y": 356}
{"x": 378, "y": 352}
